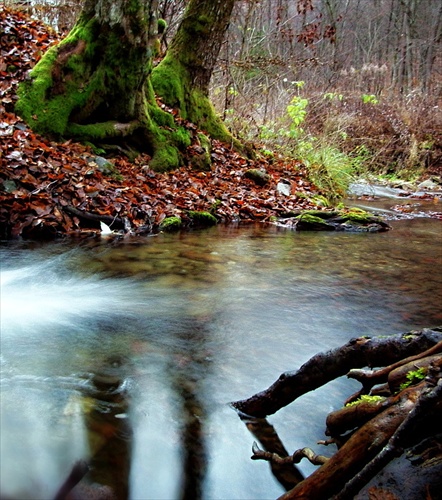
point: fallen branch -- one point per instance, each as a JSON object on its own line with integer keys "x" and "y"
{"x": 112, "y": 222}
{"x": 285, "y": 472}
{"x": 372, "y": 431}
{"x": 373, "y": 377}
{"x": 428, "y": 407}
{"x": 325, "y": 367}
{"x": 359, "y": 450}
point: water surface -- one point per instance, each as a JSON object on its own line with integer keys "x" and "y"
{"x": 131, "y": 352}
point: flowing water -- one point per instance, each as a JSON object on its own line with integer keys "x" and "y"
{"x": 130, "y": 353}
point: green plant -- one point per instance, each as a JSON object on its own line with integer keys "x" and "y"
{"x": 365, "y": 398}
{"x": 333, "y": 96}
{"x": 330, "y": 169}
{"x": 299, "y": 84}
{"x": 360, "y": 157}
{"x": 413, "y": 377}
{"x": 369, "y": 99}
{"x": 297, "y": 111}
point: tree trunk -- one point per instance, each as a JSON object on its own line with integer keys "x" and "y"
{"x": 182, "y": 78}
{"x": 96, "y": 84}
{"x": 96, "y": 74}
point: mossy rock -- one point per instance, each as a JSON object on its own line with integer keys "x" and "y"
{"x": 170, "y": 224}
{"x": 354, "y": 220}
{"x": 202, "y": 219}
{"x": 258, "y": 176}
{"x": 309, "y": 222}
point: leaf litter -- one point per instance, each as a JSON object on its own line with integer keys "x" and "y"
{"x": 53, "y": 189}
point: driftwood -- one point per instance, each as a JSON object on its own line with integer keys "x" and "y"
{"x": 372, "y": 431}
{"x": 323, "y": 368}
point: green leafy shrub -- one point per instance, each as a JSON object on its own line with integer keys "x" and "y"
{"x": 369, "y": 99}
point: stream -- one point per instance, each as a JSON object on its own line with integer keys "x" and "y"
{"x": 127, "y": 354}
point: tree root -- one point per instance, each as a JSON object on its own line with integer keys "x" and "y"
{"x": 325, "y": 367}
{"x": 112, "y": 222}
{"x": 292, "y": 459}
{"x": 369, "y": 378}
{"x": 369, "y": 433}
{"x": 427, "y": 408}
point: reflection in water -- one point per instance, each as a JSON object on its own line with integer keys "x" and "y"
{"x": 187, "y": 379}
{"x": 104, "y": 472}
{"x": 126, "y": 356}
{"x": 108, "y": 429}
{"x": 287, "y": 474}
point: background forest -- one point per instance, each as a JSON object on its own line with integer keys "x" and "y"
{"x": 350, "y": 86}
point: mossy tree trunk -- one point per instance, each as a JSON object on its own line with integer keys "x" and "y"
{"x": 96, "y": 84}
{"x": 183, "y": 76}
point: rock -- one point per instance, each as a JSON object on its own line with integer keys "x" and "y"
{"x": 171, "y": 224}
{"x": 9, "y": 186}
{"x": 283, "y": 187}
{"x": 258, "y": 176}
{"x": 427, "y": 185}
{"x": 202, "y": 219}
{"x": 354, "y": 220}
{"x": 103, "y": 165}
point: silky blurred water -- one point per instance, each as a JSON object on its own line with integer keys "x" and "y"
{"x": 131, "y": 352}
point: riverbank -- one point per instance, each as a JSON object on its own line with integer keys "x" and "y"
{"x": 53, "y": 189}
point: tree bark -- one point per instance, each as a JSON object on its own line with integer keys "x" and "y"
{"x": 182, "y": 78}
{"x": 96, "y": 75}
{"x": 96, "y": 85}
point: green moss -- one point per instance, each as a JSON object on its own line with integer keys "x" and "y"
{"x": 358, "y": 216}
{"x": 202, "y": 160}
{"x": 320, "y": 201}
{"x": 413, "y": 377}
{"x": 311, "y": 219}
{"x": 366, "y": 399}
{"x": 204, "y": 219}
{"x": 202, "y": 112}
{"x": 160, "y": 117}
{"x": 162, "y": 26}
{"x": 171, "y": 82}
{"x": 259, "y": 177}
{"x": 205, "y": 142}
{"x": 95, "y": 149}
{"x": 199, "y": 25}
{"x": 93, "y": 131}
{"x": 72, "y": 80}
{"x": 165, "y": 157}
{"x": 215, "y": 206}
{"x": 171, "y": 224}
{"x": 47, "y": 104}
{"x": 181, "y": 138}
{"x": 32, "y": 98}
{"x": 409, "y": 336}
